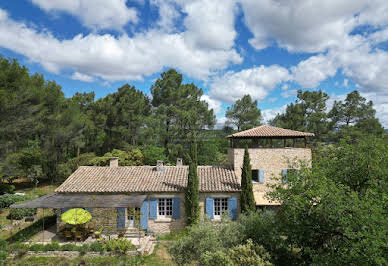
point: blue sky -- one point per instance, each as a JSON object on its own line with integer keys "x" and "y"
{"x": 227, "y": 47}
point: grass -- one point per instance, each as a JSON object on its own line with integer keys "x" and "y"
{"x": 174, "y": 235}
{"x": 159, "y": 257}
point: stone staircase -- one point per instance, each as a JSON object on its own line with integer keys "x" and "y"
{"x": 147, "y": 245}
{"x": 134, "y": 233}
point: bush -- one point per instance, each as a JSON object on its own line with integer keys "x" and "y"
{"x": 7, "y": 188}
{"x": 36, "y": 247}
{"x": 51, "y": 246}
{"x": 18, "y": 214}
{"x": 152, "y": 154}
{"x": 206, "y": 237}
{"x": 120, "y": 245}
{"x": 33, "y": 229}
{"x": 3, "y": 256}
{"x": 9, "y": 199}
{"x": 68, "y": 247}
{"x": 83, "y": 249}
{"x": 247, "y": 254}
{"x": 97, "y": 247}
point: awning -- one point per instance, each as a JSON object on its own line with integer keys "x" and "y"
{"x": 59, "y": 200}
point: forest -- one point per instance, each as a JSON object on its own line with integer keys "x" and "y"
{"x": 45, "y": 136}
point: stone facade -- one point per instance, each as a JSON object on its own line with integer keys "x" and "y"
{"x": 272, "y": 161}
{"x": 107, "y": 217}
{"x": 161, "y": 226}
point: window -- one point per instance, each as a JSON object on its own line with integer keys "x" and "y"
{"x": 220, "y": 206}
{"x": 165, "y": 207}
{"x": 255, "y": 175}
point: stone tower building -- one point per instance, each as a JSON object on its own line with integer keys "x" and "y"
{"x": 272, "y": 151}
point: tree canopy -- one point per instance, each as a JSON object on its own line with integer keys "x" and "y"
{"x": 243, "y": 114}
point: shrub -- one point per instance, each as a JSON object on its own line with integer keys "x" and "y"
{"x": 18, "y": 214}
{"x": 83, "y": 249}
{"x": 97, "y": 247}
{"x": 206, "y": 237}
{"x": 3, "y": 256}
{"x": 7, "y": 188}
{"x": 3, "y": 244}
{"x": 9, "y": 199}
{"x": 37, "y": 247}
{"x": 68, "y": 247}
{"x": 120, "y": 245}
{"x": 247, "y": 254}
{"x": 51, "y": 246}
{"x": 33, "y": 229}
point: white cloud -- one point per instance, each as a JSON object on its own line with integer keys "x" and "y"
{"x": 310, "y": 72}
{"x": 210, "y": 24}
{"x": 82, "y": 77}
{"x": 220, "y": 122}
{"x": 269, "y": 114}
{"x": 289, "y": 93}
{"x": 380, "y": 103}
{"x": 213, "y": 104}
{"x": 114, "y": 58}
{"x": 346, "y": 83}
{"x": 257, "y": 82}
{"x": 310, "y": 26}
{"x": 96, "y": 14}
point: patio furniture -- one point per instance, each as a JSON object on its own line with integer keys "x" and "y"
{"x": 79, "y": 235}
{"x": 68, "y": 235}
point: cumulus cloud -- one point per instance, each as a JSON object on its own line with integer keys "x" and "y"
{"x": 309, "y": 26}
{"x": 269, "y": 114}
{"x": 96, "y": 14}
{"x": 257, "y": 82}
{"x": 312, "y": 71}
{"x": 114, "y": 58}
{"x": 213, "y": 104}
{"x": 81, "y": 77}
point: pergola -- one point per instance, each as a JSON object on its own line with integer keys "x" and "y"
{"x": 269, "y": 133}
{"x": 78, "y": 200}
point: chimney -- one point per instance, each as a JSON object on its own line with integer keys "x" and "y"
{"x": 159, "y": 166}
{"x": 114, "y": 162}
{"x": 179, "y": 161}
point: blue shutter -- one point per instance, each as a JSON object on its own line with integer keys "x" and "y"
{"x": 210, "y": 207}
{"x": 261, "y": 176}
{"x": 284, "y": 176}
{"x": 89, "y": 209}
{"x": 64, "y": 210}
{"x": 120, "y": 217}
{"x": 176, "y": 208}
{"x": 233, "y": 208}
{"x": 144, "y": 215}
{"x": 153, "y": 208}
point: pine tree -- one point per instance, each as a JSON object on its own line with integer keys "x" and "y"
{"x": 247, "y": 198}
{"x": 192, "y": 190}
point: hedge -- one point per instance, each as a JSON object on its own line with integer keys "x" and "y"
{"x": 18, "y": 214}
{"x": 9, "y": 199}
{"x": 33, "y": 229}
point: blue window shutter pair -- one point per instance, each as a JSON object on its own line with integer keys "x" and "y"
{"x": 120, "y": 217}
{"x": 233, "y": 208}
{"x": 176, "y": 208}
{"x": 261, "y": 176}
{"x": 64, "y": 210}
{"x": 210, "y": 207}
{"x": 284, "y": 175}
{"x": 144, "y": 215}
{"x": 153, "y": 208}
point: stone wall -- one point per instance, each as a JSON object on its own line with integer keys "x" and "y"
{"x": 107, "y": 217}
{"x": 161, "y": 226}
{"x": 272, "y": 161}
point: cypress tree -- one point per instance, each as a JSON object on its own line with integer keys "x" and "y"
{"x": 247, "y": 198}
{"x": 192, "y": 190}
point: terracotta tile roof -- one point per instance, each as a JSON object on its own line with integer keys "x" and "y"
{"x": 147, "y": 179}
{"x": 269, "y": 131}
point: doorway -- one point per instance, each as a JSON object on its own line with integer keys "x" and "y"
{"x": 133, "y": 217}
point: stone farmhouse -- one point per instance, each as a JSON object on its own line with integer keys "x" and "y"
{"x": 151, "y": 198}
